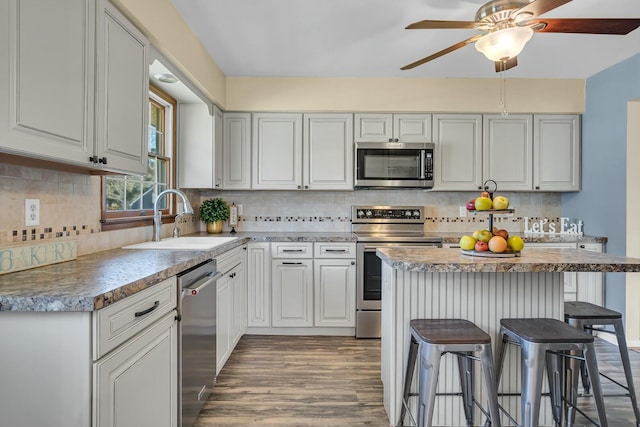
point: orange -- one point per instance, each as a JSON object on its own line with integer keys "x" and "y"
{"x": 497, "y": 244}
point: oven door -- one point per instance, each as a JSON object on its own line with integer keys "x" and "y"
{"x": 369, "y": 272}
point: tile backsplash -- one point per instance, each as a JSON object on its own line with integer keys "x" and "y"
{"x": 70, "y": 207}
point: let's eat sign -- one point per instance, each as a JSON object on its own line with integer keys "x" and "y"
{"x": 24, "y": 257}
{"x": 545, "y": 226}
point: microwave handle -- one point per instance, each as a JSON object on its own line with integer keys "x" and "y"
{"x": 422, "y": 164}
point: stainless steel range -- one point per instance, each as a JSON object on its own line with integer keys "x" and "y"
{"x": 375, "y": 227}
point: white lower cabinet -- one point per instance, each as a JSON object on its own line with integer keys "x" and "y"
{"x": 334, "y": 284}
{"x": 136, "y": 384}
{"x": 231, "y": 303}
{"x": 301, "y": 287}
{"x": 292, "y": 292}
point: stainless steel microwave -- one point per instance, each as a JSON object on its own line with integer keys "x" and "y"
{"x": 394, "y": 165}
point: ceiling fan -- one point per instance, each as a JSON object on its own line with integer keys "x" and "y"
{"x": 509, "y": 24}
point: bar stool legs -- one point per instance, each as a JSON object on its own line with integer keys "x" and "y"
{"x": 550, "y": 341}
{"x": 430, "y": 340}
{"x": 583, "y": 316}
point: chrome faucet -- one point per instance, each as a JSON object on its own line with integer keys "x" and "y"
{"x": 157, "y": 215}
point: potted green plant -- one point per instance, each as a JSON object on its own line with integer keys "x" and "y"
{"x": 213, "y": 212}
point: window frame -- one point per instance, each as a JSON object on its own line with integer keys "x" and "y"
{"x": 141, "y": 218}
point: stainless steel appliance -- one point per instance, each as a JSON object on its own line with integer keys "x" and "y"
{"x": 376, "y": 227}
{"x": 394, "y": 164}
{"x": 196, "y": 339}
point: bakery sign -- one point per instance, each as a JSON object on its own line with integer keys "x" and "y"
{"x": 565, "y": 225}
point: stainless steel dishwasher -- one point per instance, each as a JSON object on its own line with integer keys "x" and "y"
{"x": 196, "y": 339}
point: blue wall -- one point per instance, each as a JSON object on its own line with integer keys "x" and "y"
{"x": 602, "y": 202}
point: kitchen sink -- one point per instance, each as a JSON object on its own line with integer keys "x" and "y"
{"x": 184, "y": 243}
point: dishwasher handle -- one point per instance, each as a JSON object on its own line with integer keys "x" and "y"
{"x": 206, "y": 280}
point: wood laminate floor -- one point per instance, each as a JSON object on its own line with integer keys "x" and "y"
{"x": 335, "y": 381}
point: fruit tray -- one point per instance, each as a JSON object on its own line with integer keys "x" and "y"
{"x": 489, "y": 254}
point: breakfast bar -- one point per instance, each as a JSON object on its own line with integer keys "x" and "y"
{"x": 444, "y": 283}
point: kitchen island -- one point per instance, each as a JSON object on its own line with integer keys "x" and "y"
{"x": 444, "y": 283}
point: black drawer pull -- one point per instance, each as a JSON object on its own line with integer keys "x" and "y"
{"x": 148, "y": 310}
{"x": 335, "y": 250}
{"x": 293, "y": 250}
{"x": 291, "y": 263}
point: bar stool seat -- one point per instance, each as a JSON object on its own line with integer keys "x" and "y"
{"x": 585, "y": 316}
{"x": 548, "y": 342}
{"x": 432, "y": 338}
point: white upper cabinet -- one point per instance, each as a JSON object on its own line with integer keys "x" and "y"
{"x": 196, "y": 147}
{"x": 46, "y": 49}
{"x": 328, "y": 152}
{"x": 508, "y": 151}
{"x": 458, "y": 151}
{"x": 218, "y": 124}
{"x": 556, "y": 153}
{"x": 277, "y": 151}
{"x": 59, "y": 106}
{"x": 122, "y": 87}
{"x": 236, "y": 151}
{"x": 377, "y": 127}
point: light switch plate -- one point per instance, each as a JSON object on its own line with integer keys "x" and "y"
{"x": 31, "y": 212}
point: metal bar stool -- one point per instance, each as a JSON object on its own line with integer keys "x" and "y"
{"x": 432, "y": 338}
{"x": 550, "y": 341}
{"x": 584, "y": 316}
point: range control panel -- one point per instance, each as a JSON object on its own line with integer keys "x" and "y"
{"x": 387, "y": 214}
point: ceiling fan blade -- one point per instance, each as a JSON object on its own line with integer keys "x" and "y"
{"x": 506, "y": 65}
{"x": 587, "y": 25}
{"x": 428, "y": 24}
{"x": 538, "y": 7}
{"x": 442, "y": 52}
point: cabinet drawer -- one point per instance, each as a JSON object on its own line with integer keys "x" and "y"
{"x": 230, "y": 259}
{"x": 118, "y": 322}
{"x": 291, "y": 250}
{"x": 334, "y": 250}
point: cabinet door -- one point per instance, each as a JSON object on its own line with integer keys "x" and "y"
{"x": 259, "y": 284}
{"x": 46, "y": 95}
{"x": 136, "y": 385}
{"x": 373, "y": 128}
{"x": 556, "y": 153}
{"x": 292, "y": 292}
{"x": 458, "y": 151}
{"x": 239, "y": 303}
{"x": 218, "y": 132}
{"x": 122, "y": 87}
{"x": 508, "y": 151}
{"x": 197, "y": 149}
{"x": 412, "y": 127}
{"x": 334, "y": 283}
{"x": 590, "y": 286}
{"x": 328, "y": 151}
{"x": 224, "y": 313}
{"x": 277, "y": 151}
{"x": 236, "y": 151}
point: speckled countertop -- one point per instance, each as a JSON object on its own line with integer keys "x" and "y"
{"x": 434, "y": 260}
{"x": 94, "y": 281}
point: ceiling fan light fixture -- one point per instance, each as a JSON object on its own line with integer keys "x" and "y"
{"x": 505, "y": 43}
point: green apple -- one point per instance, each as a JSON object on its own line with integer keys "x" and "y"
{"x": 467, "y": 242}
{"x": 500, "y": 202}
{"x": 515, "y": 243}
{"x": 483, "y": 203}
{"x": 484, "y": 235}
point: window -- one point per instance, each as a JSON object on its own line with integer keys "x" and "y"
{"x": 128, "y": 199}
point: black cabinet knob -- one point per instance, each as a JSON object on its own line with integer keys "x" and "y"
{"x": 102, "y": 160}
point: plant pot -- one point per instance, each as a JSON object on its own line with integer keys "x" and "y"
{"x": 214, "y": 227}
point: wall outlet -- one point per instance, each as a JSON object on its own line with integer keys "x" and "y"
{"x": 463, "y": 211}
{"x": 31, "y": 212}
{"x": 240, "y": 210}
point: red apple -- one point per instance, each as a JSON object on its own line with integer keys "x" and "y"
{"x": 502, "y": 233}
{"x": 471, "y": 205}
{"x": 481, "y": 246}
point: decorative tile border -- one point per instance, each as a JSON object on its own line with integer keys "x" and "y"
{"x": 44, "y": 233}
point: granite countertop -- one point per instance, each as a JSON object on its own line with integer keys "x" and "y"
{"x": 434, "y": 260}
{"x": 94, "y": 281}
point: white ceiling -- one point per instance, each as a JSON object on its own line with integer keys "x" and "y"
{"x": 366, "y": 38}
